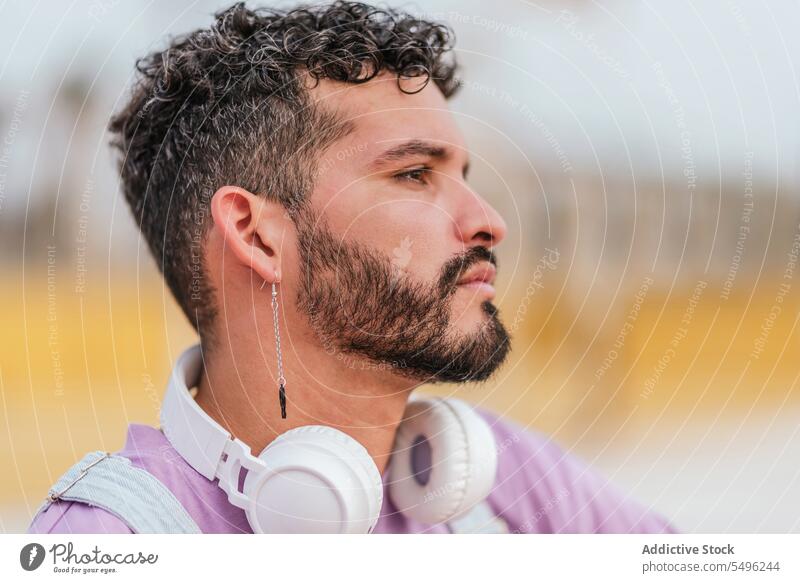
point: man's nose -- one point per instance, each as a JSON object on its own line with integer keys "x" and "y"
{"x": 477, "y": 222}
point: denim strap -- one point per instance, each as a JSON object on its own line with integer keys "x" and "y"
{"x": 131, "y": 494}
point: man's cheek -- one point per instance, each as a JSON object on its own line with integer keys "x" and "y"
{"x": 425, "y": 265}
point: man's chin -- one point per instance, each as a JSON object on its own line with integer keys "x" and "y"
{"x": 453, "y": 354}
{"x": 470, "y": 319}
{"x": 482, "y": 347}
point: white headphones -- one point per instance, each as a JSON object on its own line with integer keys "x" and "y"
{"x": 317, "y": 479}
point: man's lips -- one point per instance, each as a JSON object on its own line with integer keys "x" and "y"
{"x": 480, "y": 279}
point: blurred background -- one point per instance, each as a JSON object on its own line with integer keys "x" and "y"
{"x": 644, "y": 155}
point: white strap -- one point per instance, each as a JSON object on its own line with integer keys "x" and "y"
{"x": 133, "y": 495}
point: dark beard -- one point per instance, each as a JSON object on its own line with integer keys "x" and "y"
{"x": 358, "y": 303}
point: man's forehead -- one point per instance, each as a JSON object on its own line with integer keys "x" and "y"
{"x": 380, "y": 115}
{"x": 375, "y": 94}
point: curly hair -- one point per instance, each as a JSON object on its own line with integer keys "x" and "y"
{"x": 227, "y": 105}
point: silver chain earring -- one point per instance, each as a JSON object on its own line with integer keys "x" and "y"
{"x": 276, "y": 328}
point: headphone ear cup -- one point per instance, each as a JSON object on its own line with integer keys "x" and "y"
{"x": 444, "y": 460}
{"x": 317, "y": 479}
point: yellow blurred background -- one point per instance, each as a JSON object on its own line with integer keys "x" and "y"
{"x": 649, "y": 279}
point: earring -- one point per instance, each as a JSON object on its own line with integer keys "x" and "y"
{"x": 281, "y": 378}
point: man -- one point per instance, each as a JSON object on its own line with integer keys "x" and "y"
{"x": 312, "y": 152}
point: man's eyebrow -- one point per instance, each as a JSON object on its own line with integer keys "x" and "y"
{"x": 413, "y": 148}
{"x": 408, "y": 149}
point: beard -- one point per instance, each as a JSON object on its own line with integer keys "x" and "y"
{"x": 358, "y": 302}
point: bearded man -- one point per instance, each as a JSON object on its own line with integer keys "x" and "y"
{"x": 302, "y": 186}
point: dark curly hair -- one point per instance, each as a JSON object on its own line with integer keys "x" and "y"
{"x": 227, "y": 105}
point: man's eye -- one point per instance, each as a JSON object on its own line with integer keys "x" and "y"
{"x": 418, "y": 175}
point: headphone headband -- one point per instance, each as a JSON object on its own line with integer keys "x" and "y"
{"x": 192, "y": 432}
{"x": 316, "y": 478}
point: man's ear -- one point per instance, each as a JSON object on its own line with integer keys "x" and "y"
{"x": 252, "y": 229}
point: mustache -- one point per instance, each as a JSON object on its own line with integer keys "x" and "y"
{"x": 455, "y": 267}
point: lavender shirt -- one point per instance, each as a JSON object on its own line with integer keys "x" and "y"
{"x": 539, "y": 489}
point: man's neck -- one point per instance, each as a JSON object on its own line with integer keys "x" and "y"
{"x": 239, "y": 390}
